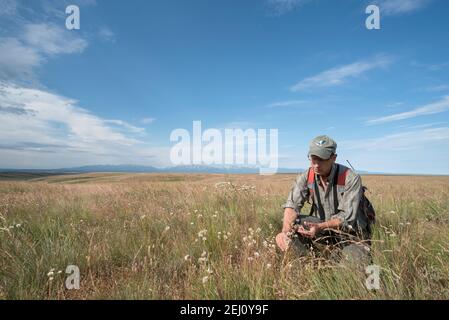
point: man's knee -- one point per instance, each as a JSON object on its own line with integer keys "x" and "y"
{"x": 358, "y": 253}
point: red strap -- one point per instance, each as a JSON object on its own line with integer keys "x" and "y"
{"x": 311, "y": 176}
{"x": 342, "y": 177}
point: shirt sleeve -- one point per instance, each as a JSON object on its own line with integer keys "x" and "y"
{"x": 348, "y": 207}
{"x": 299, "y": 193}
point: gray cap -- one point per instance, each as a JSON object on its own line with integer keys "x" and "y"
{"x": 323, "y": 147}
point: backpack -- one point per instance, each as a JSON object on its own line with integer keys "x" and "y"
{"x": 339, "y": 183}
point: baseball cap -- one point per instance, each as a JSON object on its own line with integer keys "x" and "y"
{"x": 323, "y": 147}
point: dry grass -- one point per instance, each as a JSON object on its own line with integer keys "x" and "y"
{"x": 153, "y": 236}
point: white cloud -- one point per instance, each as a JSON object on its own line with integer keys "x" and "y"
{"x": 8, "y": 7}
{"x": 16, "y": 59}
{"x": 54, "y": 111}
{"x": 407, "y": 152}
{"x": 395, "y": 104}
{"x": 395, "y": 7}
{"x": 148, "y": 120}
{"x": 289, "y": 103}
{"x": 430, "y": 66}
{"x": 51, "y": 39}
{"x": 431, "y": 108}
{"x": 283, "y": 6}
{"x": 443, "y": 87}
{"x": 125, "y": 125}
{"x": 339, "y": 75}
{"x": 40, "y": 124}
{"x": 106, "y": 34}
{"x": 20, "y": 56}
{"x": 400, "y": 141}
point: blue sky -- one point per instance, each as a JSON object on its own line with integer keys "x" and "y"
{"x": 113, "y": 91}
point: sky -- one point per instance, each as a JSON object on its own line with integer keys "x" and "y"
{"x": 113, "y": 91}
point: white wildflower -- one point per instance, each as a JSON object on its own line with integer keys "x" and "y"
{"x": 202, "y": 233}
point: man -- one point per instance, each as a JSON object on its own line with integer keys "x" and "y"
{"x": 337, "y": 222}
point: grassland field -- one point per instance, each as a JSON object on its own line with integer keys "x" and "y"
{"x": 207, "y": 236}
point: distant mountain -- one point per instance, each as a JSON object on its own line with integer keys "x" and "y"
{"x": 149, "y": 169}
{"x": 112, "y": 168}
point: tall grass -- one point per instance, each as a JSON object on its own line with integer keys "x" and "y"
{"x": 207, "y": 237}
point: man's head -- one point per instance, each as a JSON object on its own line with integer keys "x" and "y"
{"x": 322, "y": 154}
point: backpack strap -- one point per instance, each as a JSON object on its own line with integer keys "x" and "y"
{"x": 339, "y": 180}
{"x": 310, "y": 180}
{"x": 319, "y": 205}
{"x": 310, "y": 186}
{"x": 315, "y": 194}
{"x": 335, "y": 183}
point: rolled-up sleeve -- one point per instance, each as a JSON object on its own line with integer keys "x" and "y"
{"x": 349, "y": 205}
{"x": 298, "y": 194}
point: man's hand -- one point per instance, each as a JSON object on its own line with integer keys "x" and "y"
{"x": 283, "y": 241}
{"x": 314, "y": 229}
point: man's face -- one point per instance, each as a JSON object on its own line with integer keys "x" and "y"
{"x": 322, "y": 167}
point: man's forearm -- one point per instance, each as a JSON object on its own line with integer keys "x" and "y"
{"x": 289, "y": 217}
{"x": 330, "y": 224}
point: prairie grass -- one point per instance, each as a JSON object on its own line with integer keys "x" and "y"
{"x": 180, "y": 236}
